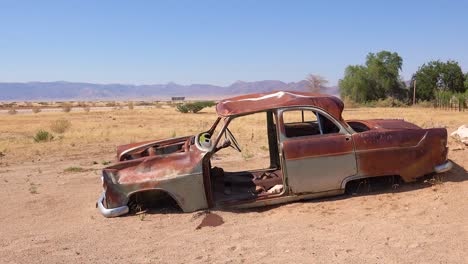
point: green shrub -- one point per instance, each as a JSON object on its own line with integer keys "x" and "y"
{"x": 182, "y": 108}
{"x": 73, "y": 169}
{"x": 43, "y": 136}
{"x": 131, "y": 105}
{"x": 389, "y": 102}
{"x": 60, "y": 126}
{"x": 206, "y": 103}
{"x": 194, "y": 107}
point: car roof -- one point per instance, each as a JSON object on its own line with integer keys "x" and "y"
{"x": 251, "y": 103}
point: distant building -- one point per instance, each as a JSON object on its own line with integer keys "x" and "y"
{"x": 178, "y": 99}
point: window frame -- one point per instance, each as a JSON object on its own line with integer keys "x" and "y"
{"x": 317, "y": 111}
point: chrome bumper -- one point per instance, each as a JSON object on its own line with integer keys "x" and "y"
{"x": 444, "y": 167}
{"x": 112, "y": 212}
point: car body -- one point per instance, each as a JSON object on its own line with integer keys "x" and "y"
{"x": 308, "y": 158}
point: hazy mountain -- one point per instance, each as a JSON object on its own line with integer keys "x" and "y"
{"x": 46, "y": 91}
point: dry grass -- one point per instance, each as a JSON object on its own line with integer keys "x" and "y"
{"x": 36, "y": 109}
{"x": 60, "y": 126}
{"x": 66, "y": 107}
{"x": 104, "y": 130}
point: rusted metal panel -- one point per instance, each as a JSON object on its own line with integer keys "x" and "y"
{"x": 387, "y": 124}
{"x": 278, "y": 99}
{"x": 171, "y": 173}
{"x": 136, "y": 148}
{"x": 317, "y": 146}
{"x": 407, "y": 153}
{"x": 318, "y": 163}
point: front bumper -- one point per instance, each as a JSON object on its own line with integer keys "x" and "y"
{"x": 112, "y": 212}
{"x": 444, "y": 167}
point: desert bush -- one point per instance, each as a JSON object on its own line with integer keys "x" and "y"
{"x": 111, "y": 104}
{"x": 194, "y": 107}
{"x": 159, "y": 106}
{"x": 60, "y": 126}
{"x": 66, "y": 107}
{"x": 73, "y": 169}
{"x": 36, "y": 109}
{"x": 145, "y": 103}
{"x": 43, "y": 136}
{"x": 182, "y": 108}
{"x": 130, "y": 105}
{"x": 389, "y": 102}
{"x": 12, "y": 111}
{"x": 86, "y": 108}
{"x": 425, "y": 104}
{"x": 206, "y": 103}
{"x": 33, "y": 188}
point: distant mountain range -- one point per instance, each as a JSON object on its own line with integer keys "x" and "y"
{"x": 50, "y": 91}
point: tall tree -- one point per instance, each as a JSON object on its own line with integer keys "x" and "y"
{"x": 355, "y": 85}
{"x": 379, "y": 78}
{"x": 384, "y": 69}
{"x": 466, "y": 82}
{"x": 315, "y": 82}
{"x": 437, "y": 75}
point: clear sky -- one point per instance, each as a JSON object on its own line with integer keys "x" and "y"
{"x": 219, "y": 42}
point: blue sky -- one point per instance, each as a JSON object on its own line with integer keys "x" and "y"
{"x": 219, "y": 42}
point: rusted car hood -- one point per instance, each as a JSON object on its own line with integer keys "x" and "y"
{"x": 160, "y": 166}
{"x": 141, "y": 146}
{"x": 389, "y": 124}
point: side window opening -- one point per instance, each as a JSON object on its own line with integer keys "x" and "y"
{"x": 299, "y": 123}
{"x": 328, "y": 127}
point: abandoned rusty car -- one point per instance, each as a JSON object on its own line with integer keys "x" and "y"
{"x": 312, "y": 152}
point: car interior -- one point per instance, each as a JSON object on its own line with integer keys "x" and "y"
{"x": 235, "y": 186}
{"x": 299, "y": 123}
{"x": 232, "y": 186}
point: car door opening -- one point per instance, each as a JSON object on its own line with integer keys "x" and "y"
{"x": 259, "y": 155}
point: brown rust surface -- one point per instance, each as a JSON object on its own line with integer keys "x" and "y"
{"x": 315, "y": 146}
{"x": 163, "y": 142}
{"x": 156, "y": 167}
{"x": 258, "y": 102}
{"x": 148, "y": 173}
{"x": 387, "y": 124}
{"x": 407, "y": 153}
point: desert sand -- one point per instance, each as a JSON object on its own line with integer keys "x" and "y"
{"x": 48, "y": 214}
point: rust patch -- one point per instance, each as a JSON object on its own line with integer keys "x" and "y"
{"x": 407, "y": 153}
{"x": 316, "y": 146}
{"x": 277, "y": 99}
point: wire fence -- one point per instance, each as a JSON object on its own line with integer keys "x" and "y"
{"x": 451, "y": 101}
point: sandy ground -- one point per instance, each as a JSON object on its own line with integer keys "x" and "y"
{"x": 48, "y": 215}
